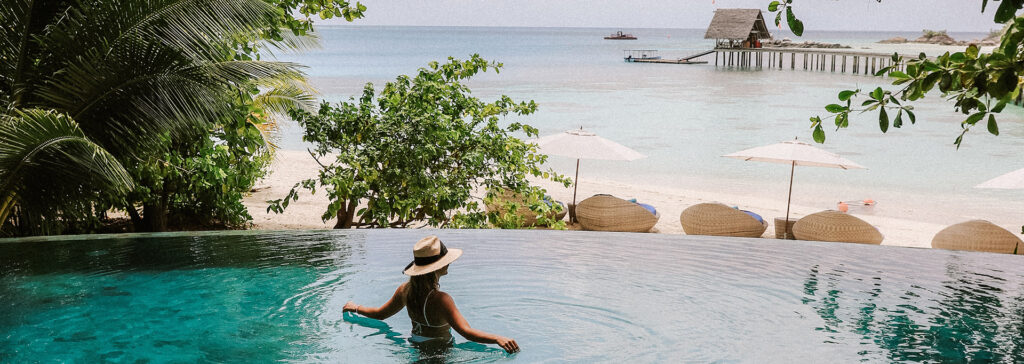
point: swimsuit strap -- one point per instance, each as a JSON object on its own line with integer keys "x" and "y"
{"x": 425, "y": 319}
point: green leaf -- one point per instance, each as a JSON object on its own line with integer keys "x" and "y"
{"x": 845, "y": 95}
{"x": 898, "y": 74}
{"x": 795, "y": 25}
{"x": 898, "y": 121}
{"x": 958, "y": 57}
{"x": 910, "y": 114}
{"x": 992, "y": 127}
{"x": 877, "y": 94}
{"x": 929, "y": 81}
{"x": 1007, "y": 10}
{"x": 974, "y": 118}
{"x": 834, "y": 108}
{"x": 883, "y": 120}
{"x": 773, "y": 6}
{"x": 945, "y": 82}
{"x": 819, "y": 134}
{"x": 1006, "y": 84}
{"x": 999, "y": 106}
{"x": 972, "y": 51}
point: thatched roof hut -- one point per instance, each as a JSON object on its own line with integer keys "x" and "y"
{"x": 737, "y": 25}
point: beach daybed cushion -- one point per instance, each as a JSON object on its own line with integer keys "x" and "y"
{"x": 831, "y": 225}
{"x": 720, "y": 220}
{"x": 610, "y": 213}
{"x": 976, "y": 235}
{"x": 529, "y": 217}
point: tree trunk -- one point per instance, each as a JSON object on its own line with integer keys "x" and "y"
{"x": 136, "y": 219}
{"x": 154, "y": 215}
{"x": 345, "y": 216}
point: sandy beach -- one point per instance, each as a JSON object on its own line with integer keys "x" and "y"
{"x": 291, "y": 167}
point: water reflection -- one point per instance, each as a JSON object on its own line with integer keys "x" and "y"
{"x": 174, "y": 252}
{"x": 966, "y": 318}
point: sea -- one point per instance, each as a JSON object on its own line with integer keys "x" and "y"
{"x": 685, "y": 117}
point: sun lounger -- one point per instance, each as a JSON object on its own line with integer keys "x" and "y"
{"x": 609, "y": 213}
{"x": 979, "y": 236}
{"x": 831, "y": 225}
{"x": 721, "y": 220}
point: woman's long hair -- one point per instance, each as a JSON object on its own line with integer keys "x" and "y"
{"x": 419, "y": 287}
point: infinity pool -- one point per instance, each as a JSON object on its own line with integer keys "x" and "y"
{"x": 564, "y": 297}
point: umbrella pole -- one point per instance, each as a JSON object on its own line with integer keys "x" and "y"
{"x": 574, "y": 183}
{"x": 785, "y": 228}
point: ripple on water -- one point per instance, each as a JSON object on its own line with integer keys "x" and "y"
{"x": 565, "y": 297}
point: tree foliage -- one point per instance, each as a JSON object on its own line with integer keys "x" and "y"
{"x": 417, "y": 151}
{"x": 138, "y": 79}
{"x": 980, "y": 85}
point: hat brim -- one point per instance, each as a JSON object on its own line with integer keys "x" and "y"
{"x": 417, "y": 270}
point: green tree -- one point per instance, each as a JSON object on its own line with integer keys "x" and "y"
{"x": 127, "y": 75}
{"x": 417, "y": 152}
{"x": 980, "y": 85}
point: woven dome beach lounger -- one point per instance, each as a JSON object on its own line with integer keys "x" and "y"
{"x": 609, "y": 213}
{"x": 831, "y": 225}
{"x": 977, "y": 235}
{"x": 720, "y": 220}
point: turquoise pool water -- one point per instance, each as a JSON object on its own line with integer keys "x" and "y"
{"x": 565, "y": 297}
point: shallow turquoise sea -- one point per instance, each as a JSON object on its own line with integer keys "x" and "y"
{"x": 566, "y": 297}
{"x": 684, "y": 117}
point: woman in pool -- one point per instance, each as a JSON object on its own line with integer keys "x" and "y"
{"x": 432, "y": 311}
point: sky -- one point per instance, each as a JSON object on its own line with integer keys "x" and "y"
{"x": 888, "y": 15}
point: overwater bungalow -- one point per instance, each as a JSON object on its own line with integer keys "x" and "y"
{"x": 737, "y": 28}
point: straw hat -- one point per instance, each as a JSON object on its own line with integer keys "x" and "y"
{"x": 430, "y": 254}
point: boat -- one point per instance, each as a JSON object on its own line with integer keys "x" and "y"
{"x": 621, "y": 36}
{"x": 633, "y": 55}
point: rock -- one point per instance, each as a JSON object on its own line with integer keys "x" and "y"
{"x": 894, "y": 40}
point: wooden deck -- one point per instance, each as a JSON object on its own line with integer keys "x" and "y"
{"x": 665, "y": 61}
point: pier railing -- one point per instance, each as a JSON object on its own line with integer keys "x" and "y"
{"x": 806, "y": 59}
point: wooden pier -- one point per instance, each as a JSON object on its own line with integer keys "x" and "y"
{"x": 806, "y": 59}
{"x": 666, "y": 61}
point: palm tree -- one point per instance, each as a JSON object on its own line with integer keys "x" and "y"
{"x": 119, "y": 74}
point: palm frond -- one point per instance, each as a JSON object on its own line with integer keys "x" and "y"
{"x": 20, "y": 22}
{"x": 292, "y": 43}
{"x": 190, "y": 25}
{"x": 44, "y": 152}
{"x": 286, "y": 96}
{"x": 126, "y": 102}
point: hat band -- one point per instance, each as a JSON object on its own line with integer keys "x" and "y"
{"x": 421, "y": 261}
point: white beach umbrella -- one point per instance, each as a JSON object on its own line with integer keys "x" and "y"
{"x": 581, "y": 144}
{"x": 1010, "y": 181}
{"x": 795, "y": 153}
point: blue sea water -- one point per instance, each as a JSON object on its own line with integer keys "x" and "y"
{"x": 684, "y": 117}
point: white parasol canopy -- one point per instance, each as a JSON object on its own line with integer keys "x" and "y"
{"x": 581, "y": 144}
{"x": 795, "y": 153}
{"x": 1010, "y": 181}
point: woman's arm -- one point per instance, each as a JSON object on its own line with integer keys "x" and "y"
{"x": 461, "y": 326}
{"x": 389, "y": 308}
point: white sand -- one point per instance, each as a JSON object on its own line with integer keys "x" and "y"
{"x": 291, "y": 167}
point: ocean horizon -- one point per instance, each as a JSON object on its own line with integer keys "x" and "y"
{"x": 685, "y": 117}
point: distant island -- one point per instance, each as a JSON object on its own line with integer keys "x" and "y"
{"x": 787, "y": 43}
{"x": 940, "y": 37}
